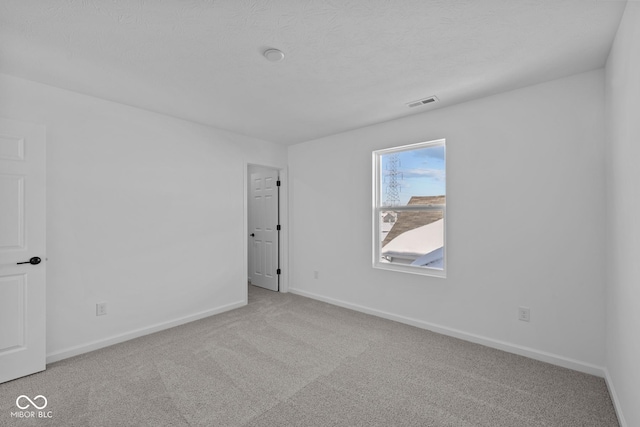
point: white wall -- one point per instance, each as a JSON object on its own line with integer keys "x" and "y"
{"x": 623, "y": 240}
{"x": 525, "y": 222}
{"x": 145, "y": 212}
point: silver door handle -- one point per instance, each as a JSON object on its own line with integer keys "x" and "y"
{"x": 33, "y": 261}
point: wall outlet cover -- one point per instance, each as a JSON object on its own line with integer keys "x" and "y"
{"x": 101, "y": 309}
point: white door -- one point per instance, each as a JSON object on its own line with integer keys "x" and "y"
{"x": 22, "y": 238}
{"x": 263, "y": 234}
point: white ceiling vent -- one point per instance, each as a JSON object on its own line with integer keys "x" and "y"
{"x": 425, "y": 101}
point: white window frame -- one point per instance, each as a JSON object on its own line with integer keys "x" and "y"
{"x": 377, "y": 208}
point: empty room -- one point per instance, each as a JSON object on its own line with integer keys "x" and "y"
{"x": 319, "y": 213}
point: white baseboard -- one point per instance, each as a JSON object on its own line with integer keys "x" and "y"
{"x": 614, "y": 398}
{"x": 542, "y": 356}
{"x": 116, "y": 339}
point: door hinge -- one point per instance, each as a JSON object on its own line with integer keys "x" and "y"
{"x": 278, "y": 183}
{"x": 277, "y": 271}
{"x": 278, "y": 227}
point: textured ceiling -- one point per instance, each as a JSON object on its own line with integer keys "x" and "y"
{"x": 349, "y": 63}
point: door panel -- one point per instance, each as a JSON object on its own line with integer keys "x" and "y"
{"x": 12, "y": 212}
{"x": 263, "y": 200}
{"x": 257, "y": 265}
{"x": 12, "y": 293}
{"x": 11, "y": 147}
{"x": 22, "y": 236}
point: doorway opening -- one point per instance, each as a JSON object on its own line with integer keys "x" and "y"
{"x": 264, "y": 227}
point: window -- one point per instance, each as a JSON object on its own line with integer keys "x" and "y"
{"x": 409, "y": 204}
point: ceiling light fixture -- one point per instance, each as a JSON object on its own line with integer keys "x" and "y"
{"x": 274, "y": 55}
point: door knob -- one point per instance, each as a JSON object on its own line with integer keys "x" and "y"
{"x": 34, "y": 261}
{"x": 253, "y": 234}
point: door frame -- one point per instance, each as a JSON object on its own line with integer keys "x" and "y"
{"x": 283, "y": 244}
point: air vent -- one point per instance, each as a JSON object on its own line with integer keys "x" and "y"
{"x": 429, "y": 100}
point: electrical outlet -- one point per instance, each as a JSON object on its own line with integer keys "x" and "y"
{"x": 101, "y": 309}
{"x": 524, "y": 314}
{"x": 315, "y": 274}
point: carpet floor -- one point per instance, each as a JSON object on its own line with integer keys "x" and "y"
{"x": 286, "y": 360}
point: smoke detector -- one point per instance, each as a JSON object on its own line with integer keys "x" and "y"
{"x": 274, "y": 55}
{"x": 425, "y": 101}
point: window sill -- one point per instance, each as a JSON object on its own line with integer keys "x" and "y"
{"x": 420, "y": 271}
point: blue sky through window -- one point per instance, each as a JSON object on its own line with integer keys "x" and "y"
{"x": 421, "y": 172}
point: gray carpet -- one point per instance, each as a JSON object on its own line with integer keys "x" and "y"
{"x": 285, "y": 360}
